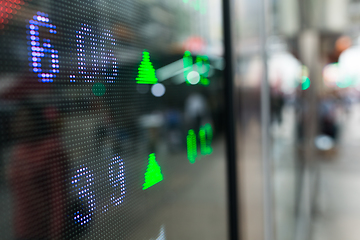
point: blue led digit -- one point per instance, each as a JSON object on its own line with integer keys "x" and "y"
{"x": 108, "y": 59}
{"x": 40, "y": 48}
{"x": 84, "y": 69}
{"x": 81, "y": 183}
{"x": 117, "y": 180}
{"x": 95, "y": 56}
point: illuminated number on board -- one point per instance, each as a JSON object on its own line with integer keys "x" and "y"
{"x": 81, "y": 183}
{"x": 44, "y": 58}
{"x": 202, "y": 64}
{"x": 203, "y": 67}
{"x": 191, "y": 146}
{"x": 115, "y": 172}
{"x": 188, "y": 65}
{"x": 117, "y": 180}
{"x": 108, "y": 67}
{"x": 95, "y": 56}
{"x": 205, "y": 135}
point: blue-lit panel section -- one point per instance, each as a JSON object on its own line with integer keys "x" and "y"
{"x": 44, "y": 58}
{"x": 81, "y": 184}
{"x": 117, "y": 180}
{"x": 96, "y": 60}
{"x": 96, "y": 102}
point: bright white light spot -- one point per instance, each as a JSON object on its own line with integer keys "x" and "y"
{"x": 193, "y": 77}
{"x": 323, "y": 142}
{"x": 158, "y": 90}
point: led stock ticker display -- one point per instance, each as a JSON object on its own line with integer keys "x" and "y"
{"x": 83, "y": 180}
{"x": 94, "y": 53}
{"x": 95, "y": 62}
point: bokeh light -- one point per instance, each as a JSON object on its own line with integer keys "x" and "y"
{"x": 158, "y": 90}
{"x": 193, "y": 77}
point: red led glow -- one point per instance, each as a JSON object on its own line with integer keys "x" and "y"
{"x": 8, "y": 10}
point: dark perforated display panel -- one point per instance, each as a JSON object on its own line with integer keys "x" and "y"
{"x": 112, "y": 120}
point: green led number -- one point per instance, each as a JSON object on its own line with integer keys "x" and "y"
{"x": 202, "y": 64}
{"x": 206, "y": 136}
{"x": 153, "y": 173}
{"x": 203, "y": 67}
{"x": 188, "y": 65}
{"x": 209, "y": 136}
{"x": 146, "y": 71}
{"x": 202, "y": 135}
{"x": 191, "y": 146}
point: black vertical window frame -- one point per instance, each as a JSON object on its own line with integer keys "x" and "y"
{"x": 230, "y": 124}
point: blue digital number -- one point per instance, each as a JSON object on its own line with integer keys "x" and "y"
{"x": 95, "y": 56}
{"x": 117, "y": 180}
{"x": 81, "y": 183}
{"x": 44, "y": 58}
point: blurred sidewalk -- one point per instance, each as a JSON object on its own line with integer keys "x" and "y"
{"x": 337, "y": 205}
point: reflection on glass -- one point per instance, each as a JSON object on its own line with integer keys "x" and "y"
{"x": 97, "y": 100}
